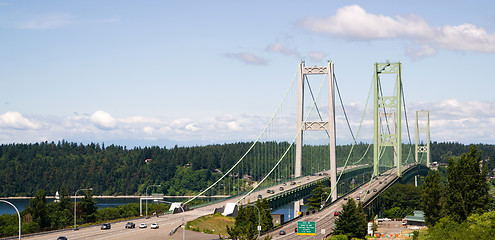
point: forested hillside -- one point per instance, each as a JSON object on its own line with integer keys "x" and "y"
{"x": 116, "y": 170}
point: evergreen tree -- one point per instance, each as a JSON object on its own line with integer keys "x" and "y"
{"x": 88, "y": 207}
{"x": 318, "y": 195}
{"x": 351, "y": 220}
{"x": 467, "y": 189}
{"x": 266, "y": 215}
{"x": 38, "y": 209}
{"x": 245, "y": 226}
{"x": 431, "y": 198}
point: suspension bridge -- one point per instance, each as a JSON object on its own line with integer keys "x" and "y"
{"x": 298, "y": 147}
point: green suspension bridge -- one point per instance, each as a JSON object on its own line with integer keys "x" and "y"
{"x": 298, "y": 147}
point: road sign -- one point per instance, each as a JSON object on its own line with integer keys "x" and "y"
{"x": 306, "y": 228}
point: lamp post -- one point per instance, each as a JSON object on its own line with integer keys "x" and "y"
{"x": 18, "y": 214}
{"x": 259, "y": 218}
{"x": 147, "y": 197}
{"x": 75, "y": 206}
{"x": 183, "y": 219}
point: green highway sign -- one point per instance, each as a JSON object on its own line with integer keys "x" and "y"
{"x": 306, "y": 228}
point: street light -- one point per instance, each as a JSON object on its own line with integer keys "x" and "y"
{"x": 75, "y": 200}
{"x": 147, "y": 197}
{"x": 18, "y": 214}
{"x": 259, "y": 218}
{"x": 183, "y": 218}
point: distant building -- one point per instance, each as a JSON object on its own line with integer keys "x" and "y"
{"x": 417, "y": 219}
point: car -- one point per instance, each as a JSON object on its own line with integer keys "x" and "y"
{"x": 268, "y": 191}
{"x": 260, "y": 197}
{"x": 360, "y": 192}
{"x": 285, "y": 184}
{"x": 154, "y": 226}
{"x": 380, "y": 182}
{"x": 106, "y": 226}
{"x": 295, "y": 229}
{"x": 61, "y": 238}
{"x": 293, "y": 183}
{"x": 143, "y": 225}
{"x": 358, "y": 198}
{"x": 130, "y": 225}
{"x": 307, "y": 178}
{"x": 345, "y": 198}
{"x": 336, "y": 213}
{"x": 282, "y": 232}
{"x": 374, "y": 190}
{"x": 281, "y": 188}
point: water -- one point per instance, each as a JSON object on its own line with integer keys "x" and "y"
{"x": 22, "y": 204}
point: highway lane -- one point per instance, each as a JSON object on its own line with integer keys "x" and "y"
{"x": 170, "y": 222}
{"x": 325, "y": 219}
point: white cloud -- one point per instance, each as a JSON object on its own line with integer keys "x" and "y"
{"x": 354, "y": 23}
{"x": 247, "y": 58}
{"x": 279, "y": 48}
{"x": 50, "y": 21}
{"x": 103, "y": 120}
{"x": 450, "y": 120}
{"x": 15, "y": 120}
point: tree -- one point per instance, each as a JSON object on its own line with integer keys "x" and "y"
{"x": 318, "y": 195}
{"x": 467, "y": 189}
{"x": 400, "y": 200}
{"x": 38, "y": 210}
{"x": 245, "y": 224}
{"x": 266, "y": 215}
{"x": 246, "y": 221}
{"x": 431, "y": 198}
{"x": 88, "y": 207}
{"x": 351, "y": 220}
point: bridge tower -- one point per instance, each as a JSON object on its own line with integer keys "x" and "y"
{"x": 387, "y": 106}
{"x": 425, "y": 129}
{"x": 328, "y": 126}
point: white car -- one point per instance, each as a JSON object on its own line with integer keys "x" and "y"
{"x": 143, "y": 225}
{"x": 154, "y": 225}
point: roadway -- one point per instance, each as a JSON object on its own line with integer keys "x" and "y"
{"x": 325, "y": 218}
{"x": 169, "y": 222}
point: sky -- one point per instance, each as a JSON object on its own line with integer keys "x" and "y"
{"x": 165, "y": 73}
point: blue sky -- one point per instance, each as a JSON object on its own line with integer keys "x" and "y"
{"x": 175, "y": 72}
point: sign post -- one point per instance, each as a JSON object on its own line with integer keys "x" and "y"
{"x": 306, "y": 228}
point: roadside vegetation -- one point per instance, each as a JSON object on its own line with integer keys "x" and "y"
{"x": 211, "y": 224}
{"x": 461, "y": 209}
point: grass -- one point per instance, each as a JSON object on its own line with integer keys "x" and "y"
{"x": 212, "y": 224}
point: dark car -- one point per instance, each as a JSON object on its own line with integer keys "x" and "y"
{"x": 260, "y": 197}
{"x": 281, "y": 188}
{"x": 282, "y": 232}
{"x": 105, "y": 226}
{"x": 62, "y": 238}
{"x": 374, "y": 190}
{"x": 130, "y": 225}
